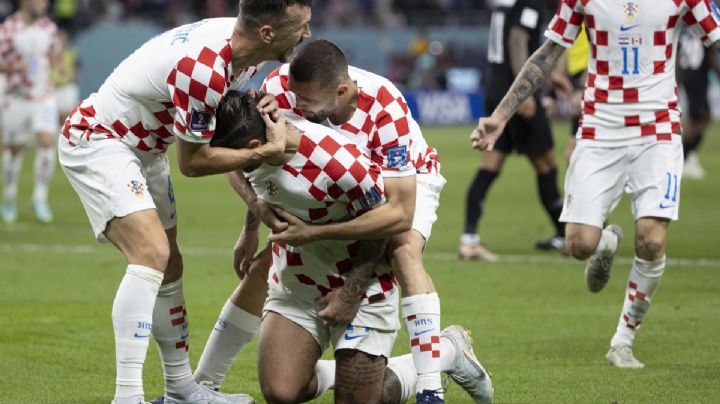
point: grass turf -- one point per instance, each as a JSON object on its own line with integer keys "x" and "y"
{"x": 537, "y": 329}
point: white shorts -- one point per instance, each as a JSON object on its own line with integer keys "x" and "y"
{"x": 67, "y": 97}
{"x": 597, "y": 177}
{"x": 113, "y": 181}
{"x": 427, "y": 200}
{"x": 22, "y": 120}
{"x": 367, "y": 339}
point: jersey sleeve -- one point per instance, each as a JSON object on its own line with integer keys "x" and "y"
{"x": 565, "y": 25}
{"x": 527, "y": 15}
{"x": 361, "y": 182}
{"x": 703, "y": 18}
{"x": 197, "y": 86}
{"x": 390, "y": 143}
{"x": 276, "y": 83}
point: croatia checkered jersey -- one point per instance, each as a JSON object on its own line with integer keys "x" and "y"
{"x": 329, "y": 179}
{"x": 631, "y": 94}
{"x": 33, "y": 46}
{"x": 382, "y": 123}
{"x": 169, "y": 87}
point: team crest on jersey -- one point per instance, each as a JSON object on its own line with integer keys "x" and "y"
{"x": 271, "y": 188}
{"x": 397, "y": 156}
{"x": 631, "y": 10}
{"x": 199, "y": 121}
{"x": 137, "y": 188}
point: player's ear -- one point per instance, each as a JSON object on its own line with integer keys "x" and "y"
{"x": 342, "y": 89}
{"x": 267, "y": 33}
{"x": 253, "y": 144}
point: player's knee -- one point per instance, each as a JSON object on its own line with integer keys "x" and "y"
{"x": 156, "y": 256}
{"x": 578, "y": 246}
{"x": 281, "y": 393}
{"x": 648, "y": 248}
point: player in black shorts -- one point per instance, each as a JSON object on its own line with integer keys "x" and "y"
{"x": 694, "y": 66}
{"x": 515, "y": 33}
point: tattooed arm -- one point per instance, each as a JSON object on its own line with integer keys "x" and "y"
{"x": 531, "y": 77}
{"x": 340, "y": 306}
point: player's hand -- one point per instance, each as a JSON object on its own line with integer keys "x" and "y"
{"x": 561, "y": 85}
{"x": 528, "y": 108}
{"x": 245, "y": 249}
{"x": 488, "y": 130}
{"x": 267, "y": 104}
{"x": 264, "y": 211}
{"x": 297, "y": 232}
{"x": 576, "y": 102}
{"x": 339, "y": 307}
{"x": 275, "y": 132}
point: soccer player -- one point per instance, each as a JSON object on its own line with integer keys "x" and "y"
{"x": 695, "y": 65}
{"x": 629, "y": 139}
{"x": 325, "y": 178}
{"x": 113, "y": 151}
{"x": 28, "y": 45}
{"x": 514, "y": 35}
{"x": 370, "y": 110}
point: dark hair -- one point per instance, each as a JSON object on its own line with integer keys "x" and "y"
{"x": 258, "y": 12}
{"x": 238, "y": 121}
{"x": 319, "y": 60}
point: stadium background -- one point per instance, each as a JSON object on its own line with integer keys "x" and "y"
{"x": 539, "y": 332}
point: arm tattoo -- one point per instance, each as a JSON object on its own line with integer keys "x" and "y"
{"x": 531, "y": 77}
{"x": 364, "y": 264}
{"x": 251, "y": 221}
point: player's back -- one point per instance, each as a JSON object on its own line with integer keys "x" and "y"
{"x": 169, "y": 86}
{"x": 328, "y": 180}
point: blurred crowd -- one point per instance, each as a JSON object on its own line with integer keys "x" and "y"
{"x": 73, "y": 15}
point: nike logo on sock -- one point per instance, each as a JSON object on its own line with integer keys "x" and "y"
{"x": 419, "y": 333}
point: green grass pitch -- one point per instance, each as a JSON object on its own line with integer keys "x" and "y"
{"x": 536, "y": 328}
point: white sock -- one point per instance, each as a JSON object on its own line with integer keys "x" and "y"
{"x": 170, "y": 330}
{"x": 11, "y": 173}
{"x": 132, "y": 322}
{"x": 608, "y": 242}
{"x": 45, "y": 158}
{"x": 470, "y": 239}
{"x": 422, "y": 322}
{"x": 643, "y": 282}
{"x": 404, "y": 369}
{"x": 235, "y": 328}
{"x": 325, "y": 373}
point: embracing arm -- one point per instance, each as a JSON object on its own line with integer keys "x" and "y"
{"x": 199, "y": 159}
{"x": 340, "y": 306}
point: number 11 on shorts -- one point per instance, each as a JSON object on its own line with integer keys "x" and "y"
{"x": 671, "y": 191}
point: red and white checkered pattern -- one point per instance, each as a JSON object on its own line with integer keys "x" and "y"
{"x": 328, "y": 180}
{"x": 381, "y": 122}
{"x": 154, "y": 94}
{"x": 631, "y": 94}
{"x": 639, "y": 306}
{"x": 32, "y": 46}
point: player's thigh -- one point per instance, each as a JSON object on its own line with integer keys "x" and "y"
{"x": 141, "y": 239}
{"x": 287, "y": 354}
{"x": 108, "y": 177}
{"x": 358, "y": 377}
{"x": 594, "y": 184}
{"x": 16, "y": 123}
{"x": 655, "y": 176}
{"x": 45, "y": 121}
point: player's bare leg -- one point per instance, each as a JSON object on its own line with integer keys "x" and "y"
{"x": 419, "y": 308}
{"x": 286, "y": 361}
{"x": 470, "y": 247}
{"x": 359, "y": 377}
{"x": 238, "y": 324}
{"x": 596, "y": 245}
{"x": 12, "y": 164}
{"x": 45, "y": 159}
{"x": 647, "y": 270}
{"x": 546, "y": 170}
{"x": 143, "y": 242}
